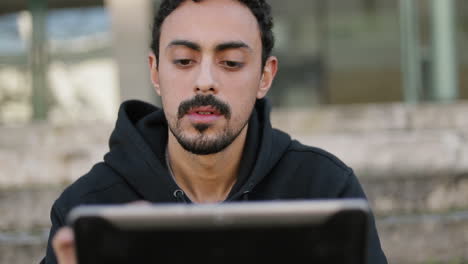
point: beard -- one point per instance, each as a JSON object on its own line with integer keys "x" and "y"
{"x": 203, "y": 143}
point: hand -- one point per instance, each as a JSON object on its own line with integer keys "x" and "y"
{"x": 64, "y": 246}
{"x": 64, "y": 242}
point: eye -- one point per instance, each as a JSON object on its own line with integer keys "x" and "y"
{"x": 183, "y": 62}
{"x": 232, "y": 64}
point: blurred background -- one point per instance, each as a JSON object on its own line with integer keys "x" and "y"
{"x": 381, "y": 84}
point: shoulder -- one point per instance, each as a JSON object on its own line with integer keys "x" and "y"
{"x": 100, "y": 179}
{"x": 321, "y": 171}
{"x": 315, "y": 156}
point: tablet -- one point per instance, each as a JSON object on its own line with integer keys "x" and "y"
{"x": 318, "y": 231}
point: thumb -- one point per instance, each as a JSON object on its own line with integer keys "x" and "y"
{"x": 64, "y": 246}
{"x": 139, "y": 202}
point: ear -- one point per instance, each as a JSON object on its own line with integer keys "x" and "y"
{"x": 153, "y": 66}
{"x": 268, "y": 75}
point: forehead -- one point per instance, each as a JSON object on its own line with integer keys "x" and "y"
{"x": 211, "y": 22}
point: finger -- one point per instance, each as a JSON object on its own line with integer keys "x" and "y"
{"x": 64, "y": 246}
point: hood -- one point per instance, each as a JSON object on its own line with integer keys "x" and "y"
{"x": 138, "y": 142}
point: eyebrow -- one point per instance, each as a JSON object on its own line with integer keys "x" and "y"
{"x": 232, "y": 45}
{"x": 185, "y": 43}
{"x": 218, "y": 48}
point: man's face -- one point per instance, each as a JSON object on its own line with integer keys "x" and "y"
{"x": 209, "y": 72}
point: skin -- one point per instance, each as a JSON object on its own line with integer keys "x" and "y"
{"x": 200, "y": 56}
{"x": 203, "y": 65}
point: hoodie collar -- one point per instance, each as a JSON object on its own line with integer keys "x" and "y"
{"x": 138, "y": 143}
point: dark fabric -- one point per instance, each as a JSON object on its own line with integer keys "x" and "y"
{"x": 273, "y": 167}
{"x": 249, "y": 154}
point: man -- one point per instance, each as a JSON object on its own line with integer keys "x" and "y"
{"x": 212, "y": 141}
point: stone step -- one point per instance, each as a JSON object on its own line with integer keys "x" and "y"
{"x": 371, "y": 117}
{"x": 397, "y": 154}
{"x": 23, "y": 247}
{"x": 46, "y": 154}
{"x": 27, "y": 208}
{"x": 411, "y": 196}
{"x": 427, "y": 238}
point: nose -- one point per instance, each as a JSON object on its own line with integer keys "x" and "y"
{"x": 206, "y": 81}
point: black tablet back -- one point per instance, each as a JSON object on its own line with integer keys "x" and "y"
{"x": 259, "y": 232}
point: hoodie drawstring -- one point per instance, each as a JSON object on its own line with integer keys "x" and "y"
{"x": 180, "y": 196}
{"x": 245, "y": 196}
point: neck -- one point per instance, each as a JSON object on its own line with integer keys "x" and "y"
{"x": 206, "y": 178}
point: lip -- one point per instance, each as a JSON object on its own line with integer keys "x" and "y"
{"x": 198, "y": 114}
{"x": 211, "y": 109}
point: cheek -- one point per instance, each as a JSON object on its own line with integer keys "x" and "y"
{"x": 172, "y": 89}
{"x": 170, "y": 104}
{"x": 242, "y": 105}
{"x": 241, "y": 92}
{"x": 243, "y": 83}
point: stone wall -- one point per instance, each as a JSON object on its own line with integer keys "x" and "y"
{"x": 411, "y": 159}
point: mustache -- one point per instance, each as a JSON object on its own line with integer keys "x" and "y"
{"x": 204, "y": 100}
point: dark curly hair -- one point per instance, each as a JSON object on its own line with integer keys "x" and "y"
{"x": 260, "y": 9}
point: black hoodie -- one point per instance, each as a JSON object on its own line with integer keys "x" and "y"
{"x": 273, "y": 167}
